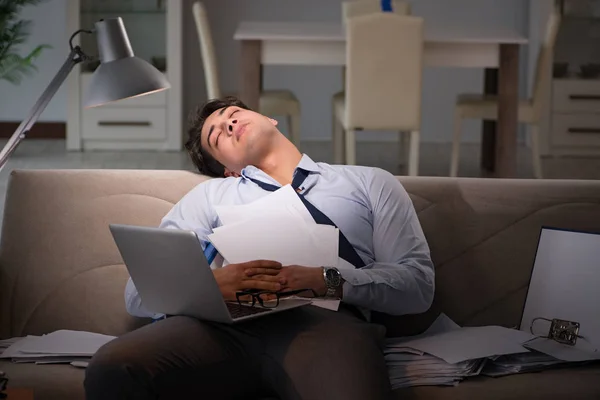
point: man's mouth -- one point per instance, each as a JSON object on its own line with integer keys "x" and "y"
{"x": 239, "y": 131}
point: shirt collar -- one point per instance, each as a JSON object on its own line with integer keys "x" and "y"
{"x": 306, "y": 163}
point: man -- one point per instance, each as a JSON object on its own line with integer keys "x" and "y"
{"x": 307, "y": 353}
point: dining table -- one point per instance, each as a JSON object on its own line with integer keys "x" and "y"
{"x": 493, "y": 48}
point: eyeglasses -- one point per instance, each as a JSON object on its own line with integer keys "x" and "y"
{"x": 268, "y": 299}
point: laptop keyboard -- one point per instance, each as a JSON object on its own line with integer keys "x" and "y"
{"x": 237, "y": 310}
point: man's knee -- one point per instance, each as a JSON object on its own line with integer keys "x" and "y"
{"x": 114, "y": 373}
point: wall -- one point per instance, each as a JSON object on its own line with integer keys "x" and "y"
{"x": 48, "y": 28}
{"x": 313, "y": 85}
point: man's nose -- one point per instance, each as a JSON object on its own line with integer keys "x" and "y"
{"x": 231, "y": 124}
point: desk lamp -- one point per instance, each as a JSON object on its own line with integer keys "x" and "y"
{"x": 120, "y": 75}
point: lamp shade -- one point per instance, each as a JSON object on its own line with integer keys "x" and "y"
{"x": 120, "y": 74}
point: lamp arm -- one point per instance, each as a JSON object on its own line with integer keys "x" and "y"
{"x": 75, "y": 56}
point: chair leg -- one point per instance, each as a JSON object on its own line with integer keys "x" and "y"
{"x": 535, "y": 151}
{"x": 413, "y": 161}
{"x": 338, "y": 140}
{"x": 350, "y": 138}
{"x": 403, "y": 144}
{"x": 294, "y": 126}
{"x": 455, "y": 158}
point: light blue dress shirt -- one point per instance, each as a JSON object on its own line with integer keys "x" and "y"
{"x": 369, "y": 205}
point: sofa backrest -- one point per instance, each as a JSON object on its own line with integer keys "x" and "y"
{"x": 60, "y": 268}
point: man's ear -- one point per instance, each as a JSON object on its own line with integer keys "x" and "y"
{"x": 229, "y": 173}
{"x": 273, "y": 121}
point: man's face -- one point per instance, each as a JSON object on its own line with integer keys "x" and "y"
{"x": 237, "y": 137}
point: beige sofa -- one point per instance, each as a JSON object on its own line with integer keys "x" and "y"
{"x": 60, "y": 269}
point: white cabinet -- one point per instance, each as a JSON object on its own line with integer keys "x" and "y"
{"x": 574, "y": 120}
{"x": 149, "y": 122}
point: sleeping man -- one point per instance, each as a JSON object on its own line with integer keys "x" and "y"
{"x": 308, "y": 353}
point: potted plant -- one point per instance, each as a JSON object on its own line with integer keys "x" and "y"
{"x": 13, "y": 33}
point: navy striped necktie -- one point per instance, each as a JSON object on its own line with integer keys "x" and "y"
{"x": 346, "y": 250}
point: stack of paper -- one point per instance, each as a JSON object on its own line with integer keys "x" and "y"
{"x": 276, "y": 227}
{"x": 407, "y": 370}
{"x": 63, "y": 346}
{"x": 446, "y": 354}
{"x": 519, "y": 363}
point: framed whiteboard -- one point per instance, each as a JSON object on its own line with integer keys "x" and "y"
{"x": 565, "y": 283}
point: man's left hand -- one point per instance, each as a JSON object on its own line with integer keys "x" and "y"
{"x": 299, "y": 277}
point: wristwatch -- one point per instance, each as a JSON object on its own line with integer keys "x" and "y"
{"x": 333, "y": 280}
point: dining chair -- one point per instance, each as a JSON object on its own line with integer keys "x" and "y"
{"x": 485, "y": 107}
{"x": 363, "y": 7}
{"x": 272, "y": 102}
{"x": 383, "y": 88}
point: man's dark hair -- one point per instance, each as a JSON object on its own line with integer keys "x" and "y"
{"x": 206, "y": 163}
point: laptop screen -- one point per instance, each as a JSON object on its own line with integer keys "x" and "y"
{"x": 565, "y": 283}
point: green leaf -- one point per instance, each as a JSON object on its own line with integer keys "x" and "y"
{"x": 13, "y": 33}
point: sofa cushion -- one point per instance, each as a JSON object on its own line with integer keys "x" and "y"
{"x": 60, "y": 267}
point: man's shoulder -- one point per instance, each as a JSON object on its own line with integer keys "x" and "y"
{"x": 364, "y": 173}
{"x": 213, "y": 187}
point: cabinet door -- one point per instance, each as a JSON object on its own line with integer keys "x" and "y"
{"x": 125, "y": 124}
{"x": 581, "y": 130}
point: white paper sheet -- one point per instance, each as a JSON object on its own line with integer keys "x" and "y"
{"x": 277, "y": 237}
{"x": 561, "y": 351}
{"x": 65, "y": 343}
{"x": 276, "y": 227}
{"x": 283, "y": 198}
{"x": 59, "y": 347}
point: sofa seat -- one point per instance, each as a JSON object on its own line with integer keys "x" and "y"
{"x": 578, "y": 383}
{"x": 53, "y": 382}
{"x": 47, "y": 381}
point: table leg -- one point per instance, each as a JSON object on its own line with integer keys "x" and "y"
{"x": 250, "y": 73}
{"x": 508, "y": 103}
{"x": 488, "y": 134}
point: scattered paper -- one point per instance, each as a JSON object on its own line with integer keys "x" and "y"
{"x": 409, "y": 367}
{"x": 277, "y": 238}
{"x": 470, "y": 343}
{"x": 276, "y": 227}
{"x": 283, "y": 198}
{"x": 62, "y": 346}
{"x": 561, "y": 351}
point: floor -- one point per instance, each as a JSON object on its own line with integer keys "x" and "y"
{"x": 434, "y": 160}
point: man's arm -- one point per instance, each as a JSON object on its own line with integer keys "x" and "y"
{"x": 401, "y": 280}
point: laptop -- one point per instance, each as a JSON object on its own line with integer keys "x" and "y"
{"x": 173, "y": 277}
{"x": 564, "y": 285}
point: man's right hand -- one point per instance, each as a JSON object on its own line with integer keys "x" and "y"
{"x": 235, "y": 277}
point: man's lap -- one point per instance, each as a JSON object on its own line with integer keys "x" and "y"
{"x": 297, "y": 354}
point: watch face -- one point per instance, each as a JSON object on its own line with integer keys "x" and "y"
{"x": 333, "y": 277}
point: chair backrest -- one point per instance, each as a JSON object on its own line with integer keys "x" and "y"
{"x": 384, "y": 61}
{"x": 207, "y": 49}
{"x": 361, "y": 7}
{"x": 543, "y": 67}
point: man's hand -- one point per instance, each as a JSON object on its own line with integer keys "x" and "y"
{"x": 261, "y": 274}
{"x": 299, "y": 277}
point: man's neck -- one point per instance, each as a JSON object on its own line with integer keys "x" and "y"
{"x": 281, "y": 163}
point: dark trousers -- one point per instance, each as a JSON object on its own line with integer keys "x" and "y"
{"x": 308, "y": 353}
